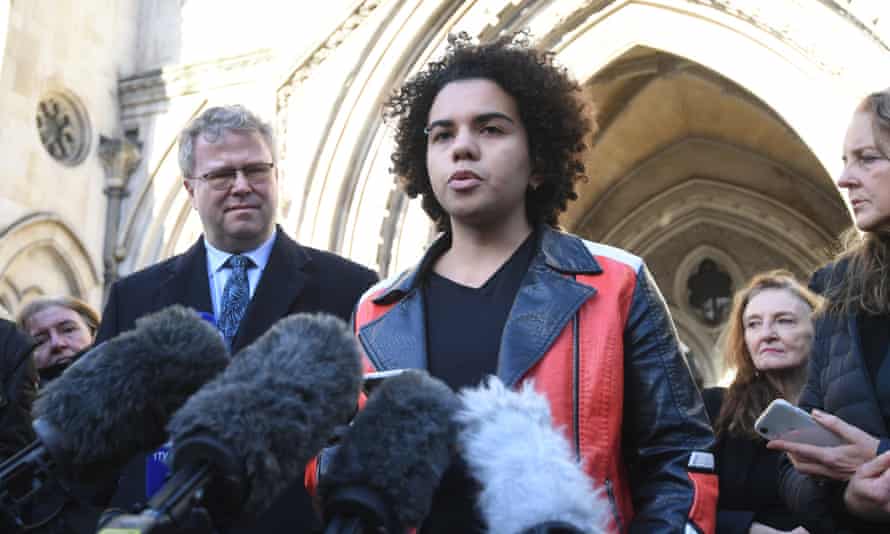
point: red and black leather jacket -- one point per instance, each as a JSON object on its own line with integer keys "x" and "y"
{"x": 590, "y": 327}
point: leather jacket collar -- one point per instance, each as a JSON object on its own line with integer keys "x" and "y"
{"x": 559, "y": 251}
{"x": 546, "y": 301}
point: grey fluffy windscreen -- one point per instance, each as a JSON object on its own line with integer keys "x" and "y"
{"x": 525, "y": 466}
{"x": 278, "y": 402}
{"x": 400, "y": 444}
{"x": 116, "y": 399}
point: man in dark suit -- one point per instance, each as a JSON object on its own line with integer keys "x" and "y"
{"x": 244, "y": 269}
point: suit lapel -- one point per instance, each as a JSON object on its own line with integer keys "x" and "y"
{"x": 397, "y": 340}
{"x": 547, "y": 300}
{"x": 281, "y": 283}
{"x": 187, "y": 283}
{"x": 544, "y": 305}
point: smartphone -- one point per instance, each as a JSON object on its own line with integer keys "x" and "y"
{"x": 783, "y": 420}
{"x": 372, "y": 380}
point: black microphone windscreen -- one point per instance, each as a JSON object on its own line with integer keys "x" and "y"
{"x": 116, "y": 399}
{"x": 400, "y": 445}
{"x": 525, "y": 467}
{"x": 277, "y": 403}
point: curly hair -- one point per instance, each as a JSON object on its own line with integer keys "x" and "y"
{"x": 751, "y": 391}
{"x": 555, "y": 119}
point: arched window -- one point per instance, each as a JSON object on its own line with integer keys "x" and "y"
{"x": 710, "y": 292}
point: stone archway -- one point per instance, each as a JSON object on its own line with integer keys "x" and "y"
{"x": 337, "y": 192}
{"x": 688, "y": 161}
{"x": 342, "y": 197}
{"x": 42, "y": 255}
{"x": 762, "y": 154}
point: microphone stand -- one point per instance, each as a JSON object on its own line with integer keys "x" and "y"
{"x": 24, "y": 474}
{"x": 178, "y": 501}
{"x": 208, "y": 489}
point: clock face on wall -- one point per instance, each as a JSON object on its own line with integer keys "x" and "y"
{"x": 63, "y": 127}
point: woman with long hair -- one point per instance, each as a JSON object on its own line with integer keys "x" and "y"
{"x": 767, "y": 342}
{"x": 848, "y": 387}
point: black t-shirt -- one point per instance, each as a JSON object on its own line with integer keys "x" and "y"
{"x": 464, "y": 324}
{"x": 464, "y": 327}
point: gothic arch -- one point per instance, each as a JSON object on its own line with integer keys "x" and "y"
{"x": 693, "y": 259}
{"x": 340, "y": 205}
{"x": 654, "y": 223}
{"x": 780, "y": 65}
{"x": 43, "y": 243}
{"x": 337, "y": 192}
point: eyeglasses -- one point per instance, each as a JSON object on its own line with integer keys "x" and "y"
{"x": 224, "y": 179}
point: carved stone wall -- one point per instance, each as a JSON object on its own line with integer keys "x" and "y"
{"x": 43, "y": 256}
{"x": 77, "y": 50}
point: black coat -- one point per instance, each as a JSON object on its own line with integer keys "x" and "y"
{"x": 749, "y": 479}
{"x": 296, "y": 279}
{"x": 838, "y": 383}
{"x": 18, "y": 387}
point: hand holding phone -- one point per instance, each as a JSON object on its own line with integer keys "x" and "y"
{"x": 782, "y": 420}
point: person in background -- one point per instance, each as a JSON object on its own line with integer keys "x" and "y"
{"x": 63, "y": 328}
{"x": 767, "y": 342}
{"x": 848, "y": 389}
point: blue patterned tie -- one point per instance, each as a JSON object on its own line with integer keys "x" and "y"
{"x": 235, "y": 296}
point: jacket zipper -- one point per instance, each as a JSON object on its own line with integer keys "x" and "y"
{"x": 576, "y": 363}
{"x": 613, "y": 504}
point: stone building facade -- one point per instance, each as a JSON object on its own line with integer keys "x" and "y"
{"x": 720, "y": 129}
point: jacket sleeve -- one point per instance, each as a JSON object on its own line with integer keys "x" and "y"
{"x": 668, "y": 439}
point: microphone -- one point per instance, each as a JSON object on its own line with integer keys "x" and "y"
{"x": 383, "y": 474}
{"x": 241, "y": 440}
{"x": 113, "y": 403}
{"x": 530, "y": 481}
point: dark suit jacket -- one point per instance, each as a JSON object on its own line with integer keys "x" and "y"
{"x": 296, "y": 279}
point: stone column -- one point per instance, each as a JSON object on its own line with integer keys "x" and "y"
{"x": 120, "y": 157}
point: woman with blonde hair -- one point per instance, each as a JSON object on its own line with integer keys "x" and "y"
{"x": 63, "y": 328}
{"x": 848, "y": 389}
{"x": 767, "y": 342}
